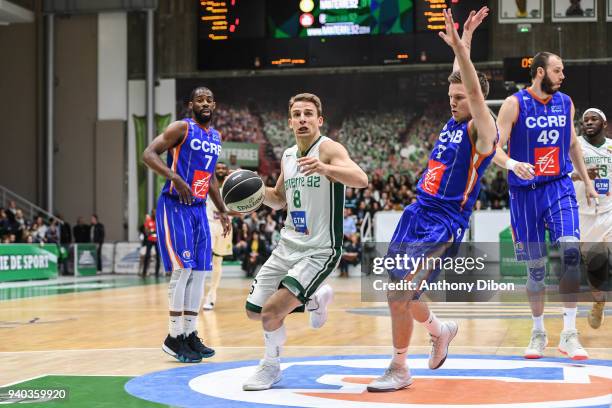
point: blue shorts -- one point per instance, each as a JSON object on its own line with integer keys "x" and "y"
{"x": 551, "y": 206}
{"x": 420, "y": 232}
{"x": 183, "y": 236}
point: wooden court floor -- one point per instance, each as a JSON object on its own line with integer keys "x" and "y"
{"x": 119, "y": 331}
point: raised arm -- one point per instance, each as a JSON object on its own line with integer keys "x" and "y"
{"x": 470, "y": 25}
{"x": 336, "y": 164}
{"x": 172, "y": 136}
{"x": 483, "y": 123}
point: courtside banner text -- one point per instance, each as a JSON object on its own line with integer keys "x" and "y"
{"x": 28, "y": 261}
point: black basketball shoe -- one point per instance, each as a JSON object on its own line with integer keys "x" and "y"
{"x": 195, "y": 344}
{"x": 179, "y": 349}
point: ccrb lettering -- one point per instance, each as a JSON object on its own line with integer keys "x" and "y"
{"x": 205, "y": 146}
{"x": 546, "y": 121}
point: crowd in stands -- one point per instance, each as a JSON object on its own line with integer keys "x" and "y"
{"x": 15, "y": 228}
{"x": 237, "y": 124}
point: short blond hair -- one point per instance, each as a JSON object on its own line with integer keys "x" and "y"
{"x": 455, "y": 78}
{"x": 307, "y": 97}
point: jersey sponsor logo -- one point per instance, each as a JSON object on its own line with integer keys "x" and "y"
{"x": 186, "y": 254}
{"x": 433, "y": 177}
{"x": 545, "y": 121}
{"x": 299, "y": 221}
{"x": 201, "y": 183}
{"x": 556, "y": 109}
{"x": 602, "y": 186}
{"x": 341, "y": 381}
{"x": 547, "y": 161}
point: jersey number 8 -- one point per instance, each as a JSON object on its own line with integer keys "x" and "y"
{"x": 297, "y": 199}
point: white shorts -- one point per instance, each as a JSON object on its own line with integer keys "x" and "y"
{"x": 302, "y": 271}
{"x": 222, "y": 246}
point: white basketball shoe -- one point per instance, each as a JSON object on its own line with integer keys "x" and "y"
{"x": 317, "y": 306}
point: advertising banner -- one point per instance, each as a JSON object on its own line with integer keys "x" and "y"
{"x": 85, "y": 259}
{"x": 127, "y": 257}
{"x": 108, "y": 255}
{"x": 236, "y": 154}
{"x": 28, "y": 261}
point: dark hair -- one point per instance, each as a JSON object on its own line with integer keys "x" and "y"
{"x": 455, "y": 78}
{"x": 540, "y": 60}
{"x": 199, "y": 89}
{"x": 307, "y": 97}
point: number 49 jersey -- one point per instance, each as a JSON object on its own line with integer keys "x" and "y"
{"x": 541, "y": 136}
{"x": 194, "y": 160}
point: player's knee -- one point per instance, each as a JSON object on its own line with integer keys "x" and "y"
{"x": 536, "y": 272}
{"x": 399, "y": 300}
{"x": 570, "y": 252}
{"x": 536, "y": 269}
{"x": 269, "y": 314}
{"x": 253, "y": 315}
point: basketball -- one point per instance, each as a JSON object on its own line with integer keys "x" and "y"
{"x": 243, "y": 191}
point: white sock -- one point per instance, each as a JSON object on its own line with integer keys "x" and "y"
{"x": 569, "y": 318}
{"x": 175, "y": 326}
{"x": 274, "y": 341}
{"x": 399, "y": 356}
{"x": 538, "y": 322}
{"x": 433, "y": 325}
{"x": 190, "y": 324}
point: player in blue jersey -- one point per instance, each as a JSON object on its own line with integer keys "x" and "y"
{"x": 446, "y": 194}
{"x": 184, "y": 241}
{"x": 538, "y": 125}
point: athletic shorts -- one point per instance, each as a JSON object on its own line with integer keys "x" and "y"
{"x": 551, "y": 206}
{"x": 302, "y": 271}
{"x": 222, "y": 245}
{"x": 183, "y": 236}
{"x": 423, "y": 232}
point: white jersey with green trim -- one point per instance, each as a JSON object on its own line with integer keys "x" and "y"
{"x": 601, "y": 158}
{"x": 315, "y": 205}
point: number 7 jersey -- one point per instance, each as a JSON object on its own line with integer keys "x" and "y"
{"x": 541, "y": 135}
{"x": 194, "y": 160}
{"x": 315, "y": 205}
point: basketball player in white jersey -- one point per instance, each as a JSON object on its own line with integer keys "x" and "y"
{"x": 596, "y": 222}
{"x": 314, "y": 173}
{"x": 222, "y": 244}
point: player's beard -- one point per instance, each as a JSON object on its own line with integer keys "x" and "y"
{"x": 202, "y": 118}
{"x": 547, "y": 85}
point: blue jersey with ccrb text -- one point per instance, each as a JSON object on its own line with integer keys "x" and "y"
{"x": 451, "y": 182}
{"x": 194, "y": 160}
{"x": 541, "y": 135}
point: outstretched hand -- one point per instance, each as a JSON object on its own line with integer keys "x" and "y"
{"x": 472, "y": 23}
{"x": 450, "y": 35}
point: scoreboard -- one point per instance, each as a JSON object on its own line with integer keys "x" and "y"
{"x": 517, "y": 69}
{"x": 247, "y": 34}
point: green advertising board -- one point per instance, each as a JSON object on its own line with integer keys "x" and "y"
{"x": 28, "y": 261}
{"x": 247, "y": 154}
{"x": 85, "y": 259}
